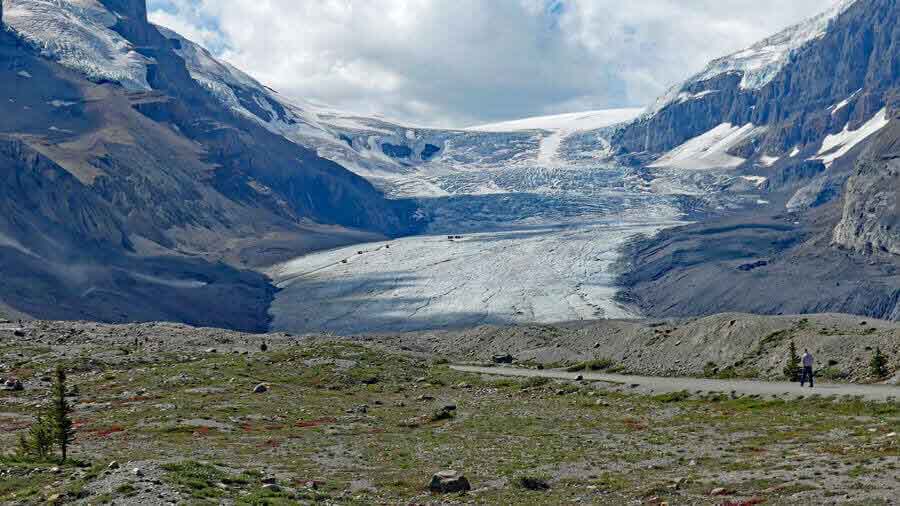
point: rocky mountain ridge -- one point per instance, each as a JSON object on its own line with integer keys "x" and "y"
{"x": 122, "y": 203}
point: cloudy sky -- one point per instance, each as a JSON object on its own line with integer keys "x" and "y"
{"x": 465, "y": 62}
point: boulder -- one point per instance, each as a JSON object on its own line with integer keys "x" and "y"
{"x": 505, "y": 358}
{"x": 449, "y": 481}
{"x": 13, "y": 384}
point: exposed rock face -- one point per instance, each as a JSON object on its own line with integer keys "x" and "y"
{"x": 856, "y": 60}
{"x": 870, "y": 221}
{"x": 815, "y": 247}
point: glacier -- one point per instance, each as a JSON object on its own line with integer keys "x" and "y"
{"x": 525, "y": 218}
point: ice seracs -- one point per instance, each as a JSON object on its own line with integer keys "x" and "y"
{"x": 78, "y": 34}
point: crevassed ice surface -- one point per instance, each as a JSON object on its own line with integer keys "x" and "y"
{"x": 77, "y": 34}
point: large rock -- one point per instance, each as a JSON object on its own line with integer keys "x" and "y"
{"x": 504, "y": 358}
{"x": 12, "y": 384}
{"x": 449, "y": 481}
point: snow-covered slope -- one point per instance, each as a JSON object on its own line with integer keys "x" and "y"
{"x": 556, "y": 129}
{"x": 710, "y": 150}
{"x": 837, "y": 145}
{"x": 77, "y": 34}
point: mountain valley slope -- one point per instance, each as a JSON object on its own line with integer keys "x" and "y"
{"x": 127, "y": 203}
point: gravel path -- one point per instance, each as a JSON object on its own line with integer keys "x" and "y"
{"x": 663, "y": 385}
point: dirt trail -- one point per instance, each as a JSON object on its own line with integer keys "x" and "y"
{"x": 664, "y": 385}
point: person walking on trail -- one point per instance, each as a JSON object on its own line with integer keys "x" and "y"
{"x": 807, "y": 360}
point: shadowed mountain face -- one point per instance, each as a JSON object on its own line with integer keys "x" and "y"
{"x": 121, "y": 205}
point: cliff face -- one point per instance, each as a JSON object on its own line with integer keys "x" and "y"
{"x": 870, "y": 221}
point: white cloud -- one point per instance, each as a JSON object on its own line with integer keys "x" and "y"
{"x": 456, "y": 62}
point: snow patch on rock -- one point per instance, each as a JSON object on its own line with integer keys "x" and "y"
{"x": 837, "y": 145}
{"x": 710, "y": 150}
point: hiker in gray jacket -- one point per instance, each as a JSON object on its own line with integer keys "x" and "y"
{"x": 807, "y": 360}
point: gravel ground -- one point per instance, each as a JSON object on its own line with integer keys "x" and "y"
{"x": 648, "y": 384}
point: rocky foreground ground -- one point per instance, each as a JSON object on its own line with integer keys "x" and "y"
{"x": 167, "y": 413}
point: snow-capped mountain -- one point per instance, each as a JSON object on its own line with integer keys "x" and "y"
{"x": 760, "y": 63}
{"x": 402, "y": 160}
{"x": 813, "y": 115}
{"x": 181, "y": 170}
{"x": 831, "y": 73}
{"x": 132, "y": 193}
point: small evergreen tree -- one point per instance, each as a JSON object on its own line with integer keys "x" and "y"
{"x": 792, "y": 369}
{"x": 878, "y": 364}
{"x": 38, "y": 443}
{"x": 60, "y": 421}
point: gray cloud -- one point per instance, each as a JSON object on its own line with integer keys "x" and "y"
{"x": 460, "y": 62}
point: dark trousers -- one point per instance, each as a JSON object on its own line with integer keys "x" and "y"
{"x": 807, "y": 373}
